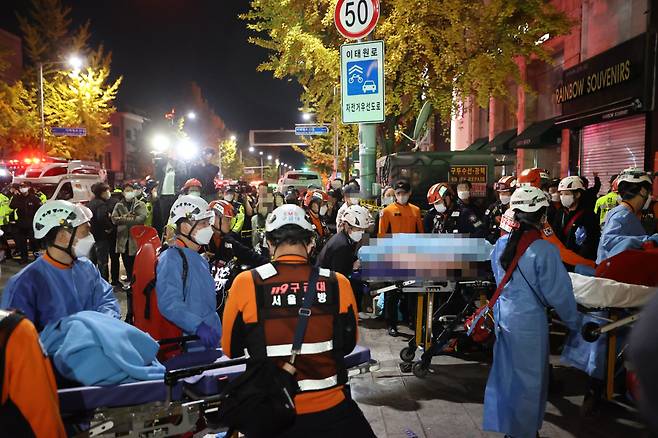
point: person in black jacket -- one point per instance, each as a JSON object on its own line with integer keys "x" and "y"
{"x": 339, "y": 253}
{"x": 25, "y": 203}
{"x": 102, "y": 227}
{"x": 206, "y": 172}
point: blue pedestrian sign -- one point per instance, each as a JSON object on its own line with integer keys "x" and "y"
{"x": 362, "y": 82}
{"x": 69, "y": 132}
{"x": 304, "y": 130}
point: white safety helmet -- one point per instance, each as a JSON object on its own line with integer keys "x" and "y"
{"x": 55, "y": 214}
{"x": 287, "y": 214}
{"x": 571, "y": 183}
{"x": 357, "y": 216}
{"x": 634, "y": 175}
{"x": 528, "y": 199}
{"x": 189, "y": 207}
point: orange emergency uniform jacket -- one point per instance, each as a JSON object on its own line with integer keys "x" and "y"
{"x": 569, "y": 257}
{"x": 398, "y": 218}
{"x": 29, "y": 405}
{"x": 261, "y": 315}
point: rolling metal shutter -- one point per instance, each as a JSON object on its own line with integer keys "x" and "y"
{"x": 608, "y": 148}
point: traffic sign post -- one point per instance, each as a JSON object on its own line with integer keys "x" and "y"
{"x": 362, "y": 82}
{"x": 309, "y": 130}
{"x": 355, "y": 19}
{"x": 68, "y": 132}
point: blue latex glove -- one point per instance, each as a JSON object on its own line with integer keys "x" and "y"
{"x": 208, "y": 336}
{"x": 581, "y": 235}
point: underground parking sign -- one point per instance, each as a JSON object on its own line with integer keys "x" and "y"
{"x": 355, "y": 19}
{"x": 362, "y": 82}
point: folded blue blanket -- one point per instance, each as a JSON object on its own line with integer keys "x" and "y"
{"x": 96, "y": 349}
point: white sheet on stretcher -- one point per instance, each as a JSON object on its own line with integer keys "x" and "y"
{"x": 596, "y": 292}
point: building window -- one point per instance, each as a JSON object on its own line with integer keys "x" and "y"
{"x": 608, "y": 23}
{"x": 115, "y": 131}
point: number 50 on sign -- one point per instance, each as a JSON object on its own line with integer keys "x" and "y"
{"x": 355, "y": 19}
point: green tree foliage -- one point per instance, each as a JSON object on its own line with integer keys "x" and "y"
{"x": 443, "y": 50}
{"x": 232, "y": 167}
{"x": 71, "y": 98}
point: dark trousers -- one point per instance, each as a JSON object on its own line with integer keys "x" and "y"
{"x": 343, "y": 420}
{"x": 128, "y": 262}
{"x": 114, "y": 263}
{"x": 21, "y": 236}
{"x": 166, "y": 202}
{"x": 100, "y": 256}
{"x": 406, "y": 302}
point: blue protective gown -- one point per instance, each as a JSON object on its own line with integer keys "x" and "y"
{"x": 186, "y": 307}
{"x": 46, "y": 293}
{"x": 515, "y": 397}
{"x": 622, "y": 230}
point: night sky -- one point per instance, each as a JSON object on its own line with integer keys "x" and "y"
{"x": 159, "y": 46}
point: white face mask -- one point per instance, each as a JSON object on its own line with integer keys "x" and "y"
{"x": 24, "y": 190}
{"x": 356, "y": 235}
{"x": 441, "y": 208}
{"x": 402, "y": 199}
{"x": 354, "y": 201}
{"x": 388, "y": 200}
{"x": 82, "y": 247}
{"x": 555, "y": 197}
{"x": 566, "y": 200}
{"x": 323, "y": 210}
{"x": 203, "y": 235}
{"x": 228, "y": 198}
{"x": 195, "y": 193}
{"x": 129, "y": 196}
{"x": 464, "y": 195}
{"x": 504, "y": 199}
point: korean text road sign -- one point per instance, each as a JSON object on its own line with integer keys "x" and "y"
{"x": 69, "y": 132}
{"x": 362, "y": 82}
{"x": 311, "y": 130}
{"x": 355, "y": 19}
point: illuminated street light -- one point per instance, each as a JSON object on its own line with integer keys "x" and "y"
{"x": 233, "y": 138}
{"x": 187, "y": 149}
{"x": 160, "y": 143}
{"x": 269, "y": 158}
{"x": 260, "y": 153}
{"x": 251, "y": 149}
{"x": 307, "y": 116}
{"x": 191, "y": 115}
{"x": 75, "y": 62}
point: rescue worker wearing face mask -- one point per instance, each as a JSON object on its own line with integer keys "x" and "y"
{"x": 517, "y": 387}
{"x": 607, "y": 202}
{"x": 261, "y": 314}
{"x": 237, "y": 223}
{"x": 315, "y": 204}
{"x": 576, "y": 225}
{"x": 438, "y": 219}
{"x": 351, "y": 196}
{"x": 464, "y": 200}
{"x": 504, "y": 189}
{"x": 536, "y": 177}
{"x": 553, "y": 195}
{"x": 401, "y": 217}
{"x": 191, "y": 187}
{"x": 190, "y": 306}
{"x": 387, "y": 198}
{"x": 63, "y": 281}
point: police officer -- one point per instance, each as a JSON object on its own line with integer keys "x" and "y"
{"x": 504, "y": 189}
{"x": 26, "y": 204}
{"x": 607, "y": 202}
{"x": 231, "y": 195}
{"x": 438, "y": 219}
{"x": 261, "y": 314}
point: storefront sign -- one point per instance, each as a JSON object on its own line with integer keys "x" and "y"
{"x": 477, "y": 175}
{"x": 612, "y": 77}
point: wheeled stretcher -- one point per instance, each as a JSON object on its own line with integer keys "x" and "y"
{"x": 176, "y": 405}
{"x": 622, "y": 303}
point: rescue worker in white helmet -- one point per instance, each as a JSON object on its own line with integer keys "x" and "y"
{"x": 188, "y": 301}
{"x": 504, "y": 188}
{"x": 63, "y": 281}
{"x": 575, "y": 224}
{"x": 261, "y": 316}
{"x": 516, "y": 392}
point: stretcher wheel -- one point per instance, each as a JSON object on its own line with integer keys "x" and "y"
{"x": 420, "y": 369}
{"x": 407, "y": 354}
{"x": 590, "y": 331}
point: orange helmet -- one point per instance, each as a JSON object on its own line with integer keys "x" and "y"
{"x": 437, "y": 192}
{"x": 315, "y": 195}
{"x": 534, "y": 177}
{"x": 192, "y": 182}
{"x": 505, "y": 184}
{"x": 615, "y": 185}
{"x": 222, "y": 208}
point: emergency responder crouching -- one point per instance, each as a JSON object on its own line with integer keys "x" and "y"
{"x": 188, "y": 301}
{"x": 261, "y": 314}
{"x": 63, "y": 281}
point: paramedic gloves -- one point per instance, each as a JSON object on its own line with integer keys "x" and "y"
{"x": 208, "y": 336}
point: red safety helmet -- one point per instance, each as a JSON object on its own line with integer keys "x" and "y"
{"x": 222, "y": 208}
{"x": 505, "y": 184}
{"x": 437, "y": 192}
{"x": 615, "y": 185}
{"x": 534, "y": 177}
{"x": 192, "y": 182}
{"x": 315, "y": 195}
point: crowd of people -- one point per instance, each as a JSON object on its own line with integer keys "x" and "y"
{"x": 542, "y": 228}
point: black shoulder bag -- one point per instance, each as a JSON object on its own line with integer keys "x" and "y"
{"x": 261, "y": 401}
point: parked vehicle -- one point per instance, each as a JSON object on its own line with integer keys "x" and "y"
{"x": 299, "y": 179}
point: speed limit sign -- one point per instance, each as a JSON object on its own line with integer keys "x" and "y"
{"x": 355, "y": 19}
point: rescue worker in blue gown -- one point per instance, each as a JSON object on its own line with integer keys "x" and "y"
{"x": 190, "y": 306}
{"x": 622, "y": 230}
{"x": 516, "y": 393}
{"x": 63, "y": 281}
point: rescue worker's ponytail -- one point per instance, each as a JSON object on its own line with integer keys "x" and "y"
{"x": 527, "y": 221}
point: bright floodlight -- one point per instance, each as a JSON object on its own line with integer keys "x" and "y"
{"x": 260, "y": 153}
{"x": 160, "y": 143}
{"x": 251, "y": 149}
{"x": 191, "y": 115}
{"x": 233, "y": 138}
{"x": 75, "y": 62}
{"x": 187, "y": 149}
{"x": 269, "y": 157}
